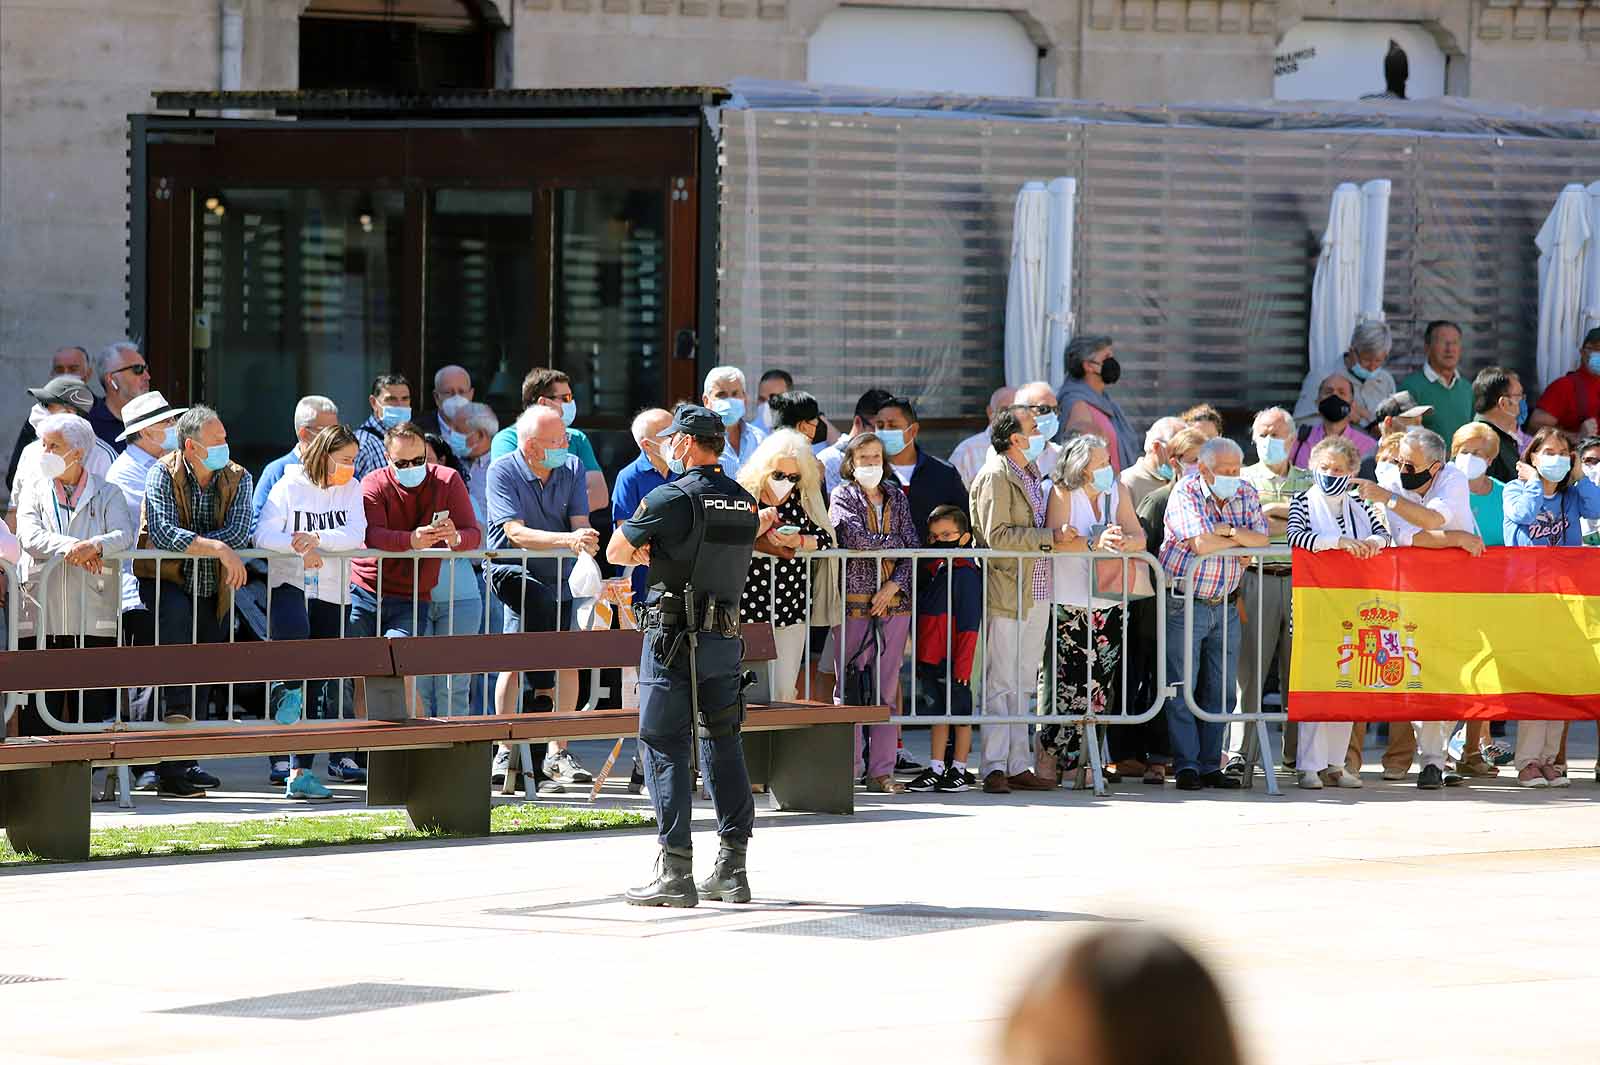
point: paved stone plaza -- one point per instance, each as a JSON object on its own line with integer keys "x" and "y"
{"x": 1386, "y": 925}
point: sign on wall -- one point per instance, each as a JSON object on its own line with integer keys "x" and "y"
{"x": 984, "y": 53}
{"x": 1320, "y": 59}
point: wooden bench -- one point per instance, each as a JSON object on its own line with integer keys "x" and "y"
{"x": 438, "y": 768}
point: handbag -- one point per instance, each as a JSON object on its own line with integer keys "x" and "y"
{"x": 827, "y": 607}
{"x": 861, "y": 681}
{"x": 1115, "y": 577}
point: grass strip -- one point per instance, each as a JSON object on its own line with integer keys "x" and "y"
{"x": 289, "y": 832}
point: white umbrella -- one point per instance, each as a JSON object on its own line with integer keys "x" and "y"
{"x": 1589, "y": 309}
{"x": 1025, "y": 292}
{"x": 1562, "y": 241}
{"x": 1060, "y": 324}
{"x": 1374, "y": 247}
{"x": 1335, "y": 293}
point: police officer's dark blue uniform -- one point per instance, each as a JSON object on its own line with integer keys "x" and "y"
{"x": 700, "y": 531}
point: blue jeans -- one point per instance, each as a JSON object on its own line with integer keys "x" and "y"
{"x": 483, "y": 693}
{"x": 450, "y": 696}
{"x": 1197, "y": 744}
{"x": 294, "y": 618}
{"x": 398, "y": 613}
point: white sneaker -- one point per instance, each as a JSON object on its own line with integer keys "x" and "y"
{"x": 1347, "y": 779}
{"x": 1311, "y": 781}
{"x": 146, "y": 781}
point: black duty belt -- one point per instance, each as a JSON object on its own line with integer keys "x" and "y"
{"x": 721, "y": 618}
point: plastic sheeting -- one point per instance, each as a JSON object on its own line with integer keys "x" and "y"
{"x": 1563, "y": 244}
{"x": 1025, "y": 290}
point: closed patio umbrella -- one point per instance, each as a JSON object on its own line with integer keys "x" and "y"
{"x": 1025, "y": 291}
{"x": 1589, "y": 309}
{"x": 1058, "y": 277}
{"x": 1563, "y": 242}
{"x": 1335, "y": 294}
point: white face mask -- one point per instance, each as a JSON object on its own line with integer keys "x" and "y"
{"x": 869, "y": 476}
{"x": 1474, "y": 466}
{"x": 1593, "y": 473}
{"x": 51, "y": 465}
{"x": 781, "y": 489}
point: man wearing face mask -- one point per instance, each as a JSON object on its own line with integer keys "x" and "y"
{"x": 773, "y": 383}
{"x": 930, "y": 482}
{"x": 1154, "y": 467}
{"x": 697, "y": 535}
{"x": 469, "y": 431}
{"x": 1500, "y": 403}
{"x": 197, "y": 503}
{"x": 548, "y": 387}
{"x": 1572, "y": 401}
{"x": 66, "y": 362}
{"x": 641, "y": 477}
{"x": 1370, "y": 345}
{"x": 1264, "y": 590}
{"x": 1008, "y": 514}
{"x": 1334, "y": 407}
{"x": 1040, "y": 398}
{"x": 449, "y": 382}
{"x": 724, "y": 395}
{"x": 1213, "y": 511}
{"x": 311, "y": 415}
{"x": 390, "y": 404}
{"x": 833, "y": 455}
{"x": 1091, "y": 369}
{"x": 1430, "y": 505}
{"x": 61, "y": 395}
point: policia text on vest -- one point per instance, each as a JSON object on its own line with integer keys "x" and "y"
{"x": 698, "y": 533}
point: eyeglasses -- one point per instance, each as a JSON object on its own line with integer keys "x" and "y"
{"x": 138, "y": 369}
{"x": 1045, "y": 408}
{"x": 1592, "y": 460}
{"x": 1411, "y": 467}
{"x": 792, "y": 478}
{"x": 409, "y": 464}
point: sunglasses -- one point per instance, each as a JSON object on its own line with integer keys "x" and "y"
{"x": 1045, "y": 408}
{"x": 409, "y": 464}
{"x": 792, "y": 478}
{"x": 138, "y": 369}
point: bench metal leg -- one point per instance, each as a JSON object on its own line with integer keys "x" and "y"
{"x": 810, "y": 769}
{"x": 444, "y": 790}
{"x": 46, "y": 810}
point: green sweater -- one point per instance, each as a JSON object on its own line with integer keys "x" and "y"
{"x": 1452, "y": 407}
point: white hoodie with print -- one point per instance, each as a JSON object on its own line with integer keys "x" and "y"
{"x": 336, "y": 514}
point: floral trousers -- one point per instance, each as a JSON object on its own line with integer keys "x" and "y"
{"x": 1081, "y": 672}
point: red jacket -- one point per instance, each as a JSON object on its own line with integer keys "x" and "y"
{"x": 935, "y": 614}
{"x": 394, "y": 511}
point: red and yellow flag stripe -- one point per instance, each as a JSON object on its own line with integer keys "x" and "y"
{"x": 1422, "y": 635}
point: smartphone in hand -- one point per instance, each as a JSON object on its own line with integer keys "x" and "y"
{"x": 440, "y": 517}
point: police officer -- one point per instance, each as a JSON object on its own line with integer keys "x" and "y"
{"x": 697, "y": 534}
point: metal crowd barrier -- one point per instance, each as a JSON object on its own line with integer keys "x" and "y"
{"x": 10, "y": 611}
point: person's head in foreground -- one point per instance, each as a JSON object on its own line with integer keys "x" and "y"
{"x": 1124, "y": 995}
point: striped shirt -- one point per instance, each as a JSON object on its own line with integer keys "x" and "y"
{"x": 1303, "y": 536}
{"x": 371, "y": 454}
{"x": 1033, "y": 484}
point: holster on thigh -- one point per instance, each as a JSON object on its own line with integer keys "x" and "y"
{"x": 715, "y": 724}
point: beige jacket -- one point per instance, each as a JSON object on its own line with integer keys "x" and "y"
{"x": 1002, "y": 519}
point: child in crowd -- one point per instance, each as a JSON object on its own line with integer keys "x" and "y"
{"x": 949, "y": 611}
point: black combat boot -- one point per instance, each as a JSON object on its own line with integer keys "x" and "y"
{"x": 673, "y": 885}
{"x": 728, "y": 881}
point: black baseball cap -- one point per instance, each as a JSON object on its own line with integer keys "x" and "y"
{"x": 66, "y": 391}
{"x": 695, "y": 420}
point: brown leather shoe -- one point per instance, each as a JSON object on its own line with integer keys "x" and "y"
{"x": 1027, "y": 781}
{"x": 995, "y": 783}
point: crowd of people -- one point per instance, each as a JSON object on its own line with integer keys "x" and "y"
{"x": 1011, "y": 621}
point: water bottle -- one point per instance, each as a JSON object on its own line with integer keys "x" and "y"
{"x": 313, "y": 582}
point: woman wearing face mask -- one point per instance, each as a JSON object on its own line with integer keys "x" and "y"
{"x": 1589, "y": 459}
{"x": 1083, "y": 662}
{"x": 1335, "y": 401}
{"x": 784, "y": 474}
{"x": 313, "y": 512}
{"x": 72, "y": 518}
{"x": 1473, "y": 449}
{"x": 1091, "y": 369}
{"x": 871, "y": 514}
{"x": 1545, "y": 507}
{"x": 1328, "y": 517}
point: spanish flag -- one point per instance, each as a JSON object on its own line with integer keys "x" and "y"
{"x": 1424, "y": 635}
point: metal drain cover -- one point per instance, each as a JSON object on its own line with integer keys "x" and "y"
{"x": 337, "y": 1001}
{"x": 8, "y": 979}
{"x": 893, "y": 923}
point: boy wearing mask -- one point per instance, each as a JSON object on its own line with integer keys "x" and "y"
{"x": 949, "y": 611}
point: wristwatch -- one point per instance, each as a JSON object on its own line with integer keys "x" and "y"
{"x": 1232, "y": 531}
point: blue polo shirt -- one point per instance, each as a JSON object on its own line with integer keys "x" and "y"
{"x": 732, "y": 458}
{"x": 515, "y": 494}
{"x": 271, "y": 475}
{"x": 636, "y": 481}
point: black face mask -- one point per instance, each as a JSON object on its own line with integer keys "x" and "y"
{"x": 1413, "y": 481}
{"x": 1110, "y": 370}
{"x": 1334, "y": 409}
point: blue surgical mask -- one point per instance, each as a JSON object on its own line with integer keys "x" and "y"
{"x": 555, "y": 458}
{"x": 1224, "y": 488}
{"x": 1272, "y": 449}
{"x": 411, "y": 476}
{"x": 393, "y": 416}
{"x": 1164, "y": 471}
{"x": 1593, "y": 359}
{"x": 1360, "y": 372}
{"x": 676, "y": 465}
{"x": 1554, "y": 467}
{"x": 894, "y": 441}
{"x": 216, "y": 457}
{"x": 457, "y": 442}
{"x": 569, "y": 412}
{"x": 1104, "y": 477}
{"x": 169, "y": 442}
{"x": 1034, "y": 448}
{"x": 1048, "y": 425}
{"x": 729, "y": 408}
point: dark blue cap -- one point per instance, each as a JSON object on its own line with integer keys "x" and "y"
{"x": 695, "y": 420}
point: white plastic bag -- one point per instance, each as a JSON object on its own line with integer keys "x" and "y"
{"x": 585, "y": 580}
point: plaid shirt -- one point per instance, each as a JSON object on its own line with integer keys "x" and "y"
{"x": 1270, "y": 488}
{"x": 1033, "y": 484}
{"x": 370, "y": 452}
{"x": 1193, "y": 511}
{"x": 236, "y": 529}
